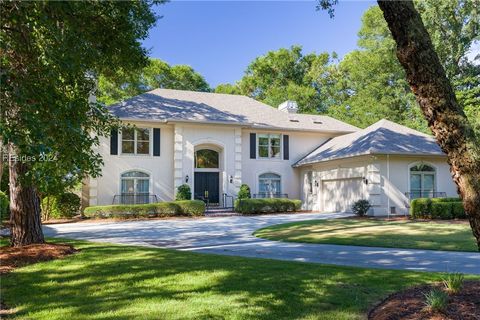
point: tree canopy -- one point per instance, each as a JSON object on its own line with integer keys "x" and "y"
{"x": 369, "y": 83}
{"x": 285, "y": 74}
{"x": 157, "y": 74}
{"x": 51, "y": 54}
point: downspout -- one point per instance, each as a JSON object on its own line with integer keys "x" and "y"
{"x": 388, "y": 186}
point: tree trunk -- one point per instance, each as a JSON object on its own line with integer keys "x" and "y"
{"x": 436, "y": 97}
{"x": 25, "y": 210}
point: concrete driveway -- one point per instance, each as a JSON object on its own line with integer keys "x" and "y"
{"x": 233, "y": 236}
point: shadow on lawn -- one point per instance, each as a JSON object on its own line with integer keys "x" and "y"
{"x": 115, "y": 282}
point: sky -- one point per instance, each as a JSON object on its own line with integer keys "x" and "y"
{"x": 219, "y": 39}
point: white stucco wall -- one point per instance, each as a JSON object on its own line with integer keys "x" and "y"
{"x": 388, "y": 180}
{"x": 220, "y": 137}
{"x": 300, "y": 144}
{"x": 160, "y": 169}
{"x": 178, "y": 144}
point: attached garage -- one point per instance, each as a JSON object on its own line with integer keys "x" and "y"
{"x": 340, "y": 194}
{"x": 386, "y": 164}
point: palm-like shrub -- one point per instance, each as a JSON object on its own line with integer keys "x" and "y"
{"x": 436, "y": 300}
{"x": 453, "y": 282}
{"x": 361, "y": 207}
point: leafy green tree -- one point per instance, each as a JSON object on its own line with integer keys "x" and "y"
{"x": 284, "y": 74}
{"x": 227, "y": 88}
{"x": 374, "y": 84}
{"x": 51, "y": 54}
{"x": 435, "y": 94}
{"x": 157, "y": 74}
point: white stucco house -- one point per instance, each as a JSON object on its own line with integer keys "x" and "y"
{"x": 215, "y": 142}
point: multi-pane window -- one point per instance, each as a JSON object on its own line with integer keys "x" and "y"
{"x": 422, "y": 181}
{"x": 135, "y": 187}
{"x": 269, "y": 145}
{"x": 135, "y": 141}
{"x": 269, "y": 185}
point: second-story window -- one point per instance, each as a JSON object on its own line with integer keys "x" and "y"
{"x": 136, "y": 141}
{"x": 269, "y": 145}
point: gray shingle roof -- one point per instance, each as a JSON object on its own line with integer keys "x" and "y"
{"x": 190, "y": 106}
{"x": 382, "y": 137}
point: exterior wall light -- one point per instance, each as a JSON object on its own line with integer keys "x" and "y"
{"x": 365, "y": 180}
{"x": 186, "y": 178}
{"x": 231, "y": 179}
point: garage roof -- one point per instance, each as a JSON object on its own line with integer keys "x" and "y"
{"x": 382, "y": 137}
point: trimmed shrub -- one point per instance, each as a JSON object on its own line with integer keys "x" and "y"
{"x": 421, "y": 208}
{"x": 69, "y": 204}
{"x": 4, "y": 207}
{"x": 65, "y": 205}
{"x": 361, "y": 207}
{"x": 159, "y": 209}
{"x": 437, "y": 208}
{"x": 442, "y": 210}
{"x": 256, "y": 206}
{"x": 191, "y": 207}
{"x": 458, "y": 210}
{"x": 183, "y": 192}
{"x": 244, "y": 192}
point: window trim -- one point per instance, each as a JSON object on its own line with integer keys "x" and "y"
{"x": 280, "y": 155}
{"x": 135, "y": 142}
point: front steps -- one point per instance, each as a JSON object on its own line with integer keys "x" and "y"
{"x": 220, "y": 212}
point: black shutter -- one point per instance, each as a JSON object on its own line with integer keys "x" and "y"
{"x": 286, "y": 151}
{"x": 114, "y": 142}
{"x": 253, "y": 146}
{"x": 156, "y": 142}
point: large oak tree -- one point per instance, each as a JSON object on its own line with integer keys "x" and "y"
{"x": 51, "y": 54}
{"x": 434, "y": 92}
{"x": 428, "y": 81}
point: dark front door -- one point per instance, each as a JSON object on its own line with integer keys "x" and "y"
{"x": 207, "y": 186}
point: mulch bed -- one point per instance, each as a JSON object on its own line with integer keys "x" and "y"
{"x": 11, "y": 258}
{"x": 410, "y": 305}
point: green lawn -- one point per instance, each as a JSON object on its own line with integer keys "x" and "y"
{"x": 376, "y": 233}
{"x": 105, "y": 281}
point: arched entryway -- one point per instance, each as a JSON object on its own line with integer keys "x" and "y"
{"x": 208, "y": 167}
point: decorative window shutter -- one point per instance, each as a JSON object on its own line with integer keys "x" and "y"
{"x": 286, "y": 150}
{"x": 156, "y": 142}
{"x": 253, "y": 146}
{"x": 114, "y": 142}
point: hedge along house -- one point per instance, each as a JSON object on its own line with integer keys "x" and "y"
{"x": 215, "y": 142}
{"x": 385, "y": 163}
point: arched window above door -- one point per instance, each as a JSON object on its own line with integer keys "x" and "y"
{"x": 206, "y": 159}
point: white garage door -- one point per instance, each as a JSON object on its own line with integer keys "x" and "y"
{"x": 339, "y": 195}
